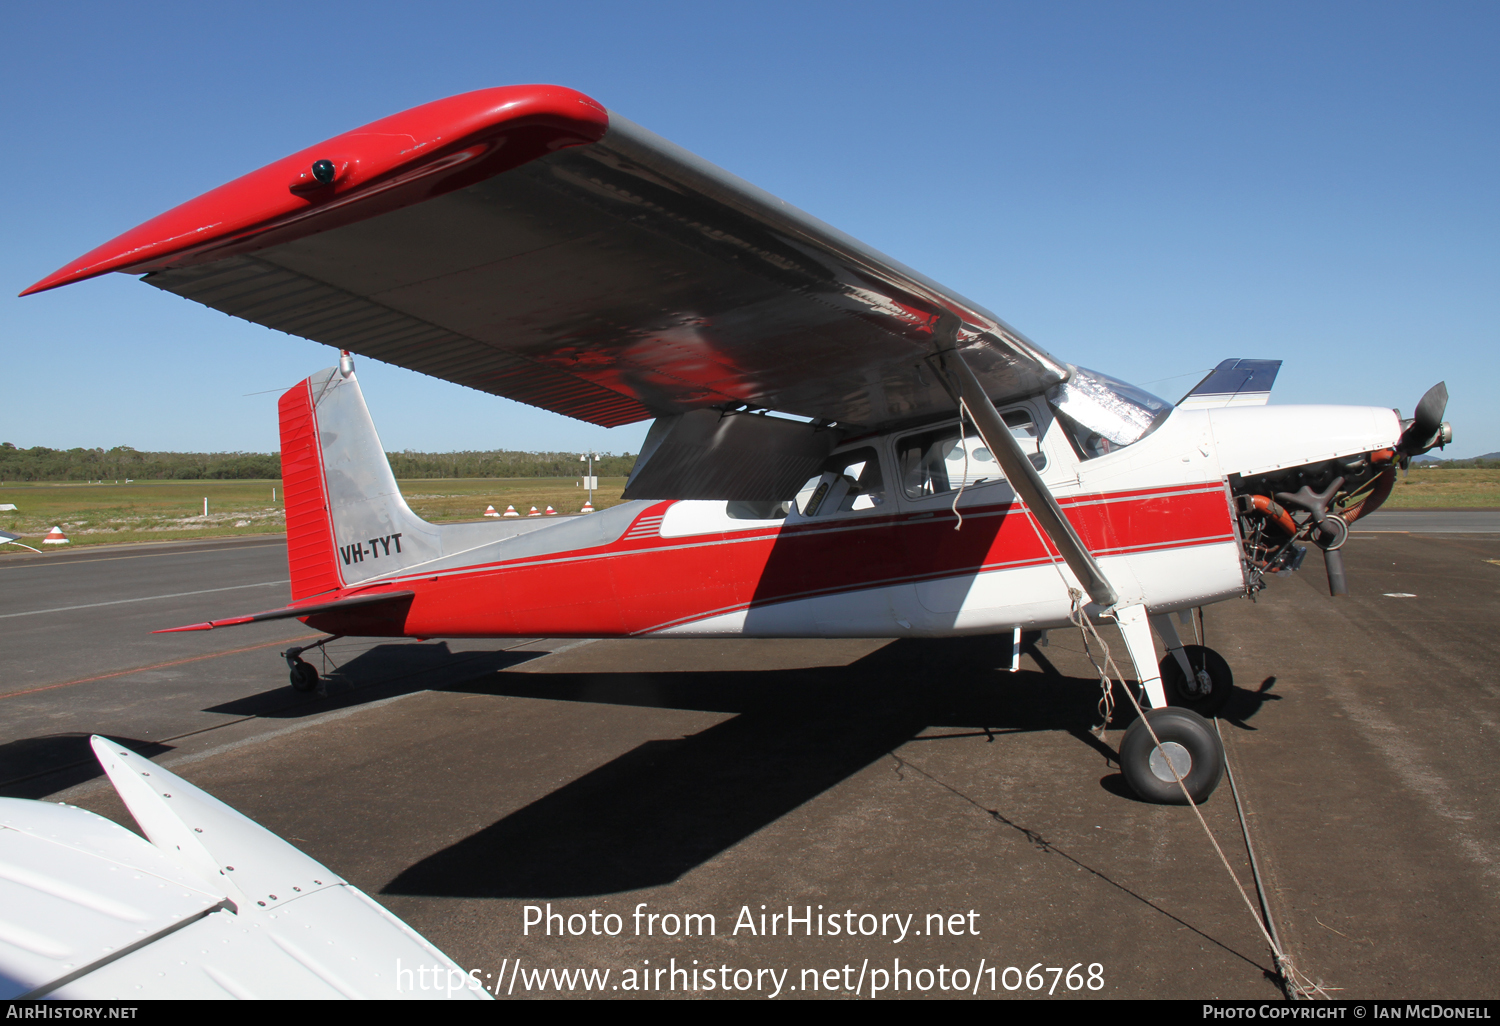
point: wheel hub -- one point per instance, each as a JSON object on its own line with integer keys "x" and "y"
{"x": 1202, "y": 683}
{"x": 1167, "y": 757}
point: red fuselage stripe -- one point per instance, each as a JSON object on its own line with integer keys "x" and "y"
{"x": 646, "y": 582}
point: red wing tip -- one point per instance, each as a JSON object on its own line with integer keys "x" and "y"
{"x": 42, "y": 286}
{"x": 65, "y": 275}
{"x": 262, "y": 198}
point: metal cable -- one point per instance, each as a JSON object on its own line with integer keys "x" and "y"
{"x": 1297, "y": 984}
{"x": 1260, "y": 890}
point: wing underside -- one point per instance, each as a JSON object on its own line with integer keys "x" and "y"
{"x": 611, "y": 280}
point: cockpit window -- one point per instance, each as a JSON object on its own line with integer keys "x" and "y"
{"x": 1103, "y": 414}
{"x": 850, "y": 481}
{"x": 934, "y": 462}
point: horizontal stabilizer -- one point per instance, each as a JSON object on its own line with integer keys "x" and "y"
{"x": 1233, "y": 383}
{"x": 296, "y": 609}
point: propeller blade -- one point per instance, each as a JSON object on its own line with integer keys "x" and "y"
{"x": 1427, "y": 428}
{"x": 1338, "y": 581}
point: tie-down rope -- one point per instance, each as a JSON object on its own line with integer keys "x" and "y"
{"x": 1298, "y": 986}
{"x": 963, "y": 408}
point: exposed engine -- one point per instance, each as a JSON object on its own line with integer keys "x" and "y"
{"x": 1316, "y": 502}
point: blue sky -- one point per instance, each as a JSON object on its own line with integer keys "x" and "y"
{"x": 1144, "y": 188}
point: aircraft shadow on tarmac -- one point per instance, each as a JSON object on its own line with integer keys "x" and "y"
{"x": 656, "y": 812}
{"x": 37, "y": 767}
{"x": 660, "y": 810}
{"x": 377, "y": 673}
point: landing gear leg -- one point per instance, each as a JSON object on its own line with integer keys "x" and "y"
{"x": 304, "y": 675}
{"x": 1136, "y": 629}
{"x": 1189, "y": 746}
{"x": 1193, "y": 677}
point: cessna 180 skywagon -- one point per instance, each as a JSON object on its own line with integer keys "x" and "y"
{"x": 841, "y": 448}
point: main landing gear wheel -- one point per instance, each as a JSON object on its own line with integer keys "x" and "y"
{"x": 1189, "y": 745}
{"x": 1208, "y": 690}
{"x": 304, "y": 676}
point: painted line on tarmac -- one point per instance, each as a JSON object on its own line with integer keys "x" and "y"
{"x": 145, "y": 598}
{"x": 55, "y": 561}
{"x": 101, "y": 782}
{"x": 159, "y": 666}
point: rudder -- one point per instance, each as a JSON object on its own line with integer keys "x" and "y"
{"x": 310, "y": 555}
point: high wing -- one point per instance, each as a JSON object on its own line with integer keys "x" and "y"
{"x": 525, "y": 242}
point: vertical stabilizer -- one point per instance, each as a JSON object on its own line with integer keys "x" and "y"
{"x": 1233, "y": 383}
{"x": 346, "y": 522}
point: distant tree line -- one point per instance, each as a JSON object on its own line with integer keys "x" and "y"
{"x": 122, "y": 462}
{"x": 500, "y": 463}
{"x": 1489, "y": 461}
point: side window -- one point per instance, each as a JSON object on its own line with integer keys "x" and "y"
{"x": 935, "y": 461}
{"x": 850, "y": 481}
{"x": 739, "y": 510}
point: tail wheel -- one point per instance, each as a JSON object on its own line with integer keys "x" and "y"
{"x": 304, "y": 676}
{"x": 1210, "y": 686}
{"x": 1189, "y": 745}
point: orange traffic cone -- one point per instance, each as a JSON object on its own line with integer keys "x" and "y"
{"x": 490, "y": 511}
{"x": 588, "y": 507}
{"x": 533, "y": 512}
{"x": 55, "y": 537}
{"x": 549, "y": 512}
{"x": 510, "y": 511}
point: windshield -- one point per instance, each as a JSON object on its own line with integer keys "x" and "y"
{"x": 1102, "y": 413}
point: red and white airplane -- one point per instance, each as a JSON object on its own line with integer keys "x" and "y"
{"x": 841, "y": 448}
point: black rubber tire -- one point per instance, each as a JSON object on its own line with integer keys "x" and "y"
{"x": 1204, "y": 659}
{"x": 1186, "y": 728}
{"x": 304, "y": 676}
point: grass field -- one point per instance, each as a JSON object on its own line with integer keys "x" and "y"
{"x": 1439, "y": 489}
{"x": 92, "y": 514}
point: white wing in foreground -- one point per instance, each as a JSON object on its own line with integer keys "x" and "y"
{"x": 213, "y": 906}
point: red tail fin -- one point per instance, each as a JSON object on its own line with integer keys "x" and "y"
{"x": 312, "y": 557}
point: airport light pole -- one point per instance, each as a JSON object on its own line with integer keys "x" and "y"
{"x": 589, "y": 480}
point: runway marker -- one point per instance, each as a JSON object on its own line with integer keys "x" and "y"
{"x": 159, "y": 666}
{"x": 145, "y": 598}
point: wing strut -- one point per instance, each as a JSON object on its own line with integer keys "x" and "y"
{"x": 1018, "y": 469}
